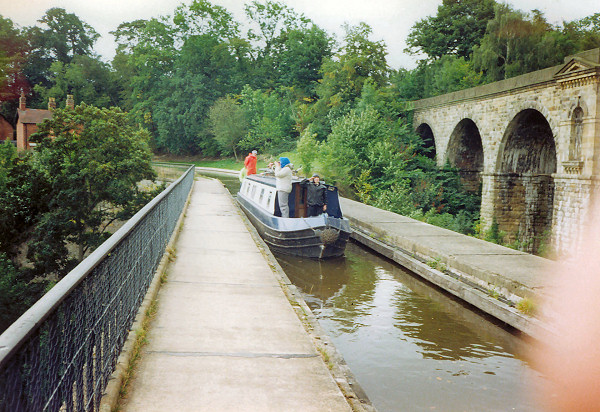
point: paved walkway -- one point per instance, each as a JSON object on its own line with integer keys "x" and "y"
{"x": 225, "y": 337}
{"x": 520, "y": 273}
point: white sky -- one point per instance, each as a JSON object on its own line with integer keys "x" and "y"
{"x": 391, "y": 20}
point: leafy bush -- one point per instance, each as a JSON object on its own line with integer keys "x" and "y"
{"x": 308, "y": 150}
{"x": 12, "y": 293}
{"x": 397, "y": 199}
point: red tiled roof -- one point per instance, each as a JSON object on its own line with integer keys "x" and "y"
{"x": 34, "y": 115}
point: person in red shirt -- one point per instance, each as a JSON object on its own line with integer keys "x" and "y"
{"x": 250, "y": 163}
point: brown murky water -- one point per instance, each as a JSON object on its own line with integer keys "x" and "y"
{"x": 411, "y": 346}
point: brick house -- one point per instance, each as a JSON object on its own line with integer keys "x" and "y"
{"x": 28, "y": 119}
{"x": 6, "y": 130}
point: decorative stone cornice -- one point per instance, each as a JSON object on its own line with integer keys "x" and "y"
{"x": 585, "y": 78}
{"x": 578, "y": 72}
{"x": 573, "y": 167}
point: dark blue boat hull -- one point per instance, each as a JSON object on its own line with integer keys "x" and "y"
{"x": 317, "y": 237}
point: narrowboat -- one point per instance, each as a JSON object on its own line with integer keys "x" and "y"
{"x": 317, "y": 237}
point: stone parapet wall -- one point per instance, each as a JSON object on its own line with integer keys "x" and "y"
{"x": 561, "y": 103}
{"x": 506, "y": 87}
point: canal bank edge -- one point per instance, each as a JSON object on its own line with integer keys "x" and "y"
{"x": 466, "y": 282}
{"x": 340, "y": 372}
{"x": 485, "y": 289}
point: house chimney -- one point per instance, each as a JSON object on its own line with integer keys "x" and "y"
{"x": 22, "y": 101}
{"x": 51, "y": 103}
{"x": 70, "y": 101}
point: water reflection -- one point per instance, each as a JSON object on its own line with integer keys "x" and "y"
{"x": 321, "y": 279}
{"x": 411, "y": 346}
{"x": 231, "y": 182}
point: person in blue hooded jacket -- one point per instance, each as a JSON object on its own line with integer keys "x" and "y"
{"x": 283, "y": 184}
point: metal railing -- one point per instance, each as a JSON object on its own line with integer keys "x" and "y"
{"x": 60, "y": 354}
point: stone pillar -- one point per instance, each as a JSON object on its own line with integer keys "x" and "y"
{"x": 488, "y": 195}
{"x": 70, "y": 102}
{"x": 573, "y": 211}
{"x": 522, "y": 206}
{"x": 51, "y": 103}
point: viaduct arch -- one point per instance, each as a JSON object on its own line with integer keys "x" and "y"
{"x": 531, "y": 143}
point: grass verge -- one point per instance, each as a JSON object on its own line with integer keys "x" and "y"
{"x": 140, "y": 341}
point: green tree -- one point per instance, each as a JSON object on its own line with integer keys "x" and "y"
{"x": 25, "y": 192}
{"x": 270, "y": 122}
{"x": 145, "y": 55}
{"x": 173, "y": 70}
{"x": 299, "y": 56}
{"x": 346, "y": 152}
{"x": 12, "y": 49}
{"x": 516, "y": 43}
{"x": 449, "y": 74}
{"x": 228, "y": 123}
{"x": 579, "y": 35}
{"x": 87, "y": 78}
{"x": 204, "y": 72}
{"x": 410, "y": 84}
{"x": 358, "y": 60}
{"x": 62, "y": 37}
{"x": 457, "y": 27}
{"x": 308, "y": 149}
{"x": 66, "y": 36}
{"x": 201, "y": 17}
{"x": 268, "y": 21}
{"x": 16, "y": 294}
{"x": 93, "y": 159}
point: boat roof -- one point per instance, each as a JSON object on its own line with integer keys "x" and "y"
{"x": 269, "y": 180}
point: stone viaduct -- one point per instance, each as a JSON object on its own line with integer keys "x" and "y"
{"x": 531, "y": 143}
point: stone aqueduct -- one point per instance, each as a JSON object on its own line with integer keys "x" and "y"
{"x": 531, "y": 143}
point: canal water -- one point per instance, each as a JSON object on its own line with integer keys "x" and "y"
{"x": 411, "y": 346}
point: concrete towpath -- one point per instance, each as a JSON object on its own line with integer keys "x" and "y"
{"x": 475, "y": 270}
{"x": 225, "y": 336}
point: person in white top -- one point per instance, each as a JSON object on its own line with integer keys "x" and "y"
{"x": 283, "y": 184}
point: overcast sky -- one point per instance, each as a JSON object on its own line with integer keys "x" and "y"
{"x": 391, "y": 20}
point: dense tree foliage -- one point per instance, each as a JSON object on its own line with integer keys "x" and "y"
{"x": 198, "y": 82}
{"x": 25, "y": 192}
{"x": 93, "y": 159}
{"x": 228, "y": 123}
{"x": 60, "y": 37}
{"x": 89, "y": 78}
{"x": 59, "y": 202}
{"x": 498, "y": 43}
{"x": 12, "y": 47}
{"x": 457, "y": 27}
{"x": 514, "y": 45}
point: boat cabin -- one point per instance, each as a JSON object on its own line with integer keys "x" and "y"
{"x": 262, "y": 191}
